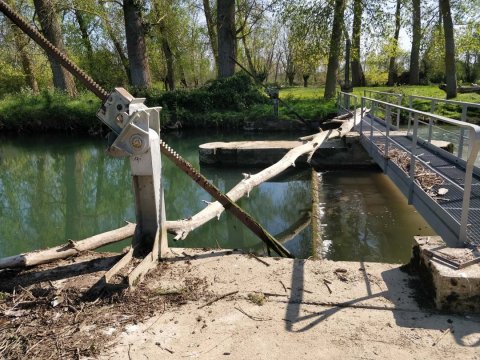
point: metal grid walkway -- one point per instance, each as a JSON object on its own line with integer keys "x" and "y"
{"x": 442, "y": 212}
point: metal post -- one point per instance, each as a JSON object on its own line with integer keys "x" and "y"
{"x": 464, "y": 112}
{"x": 410, "y": 105}
{"x": 467, "y": 189}
{"x": 412, "y": 157}
{"x": 387, "y": 133}
{"x": 432, "y": 107}
{"x": 372, "y": 115}
{"x": 398, "y": 111}
{"x": 355, "y": 110}
{"x": 146, "y": 170}
{"x": 362, "y": 103}
{"x": 460, "y": 143}
{"x": 430, "y": 130}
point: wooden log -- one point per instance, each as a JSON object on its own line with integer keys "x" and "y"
{"x": 181, "y": 228}
{"x": 66, "y": 250}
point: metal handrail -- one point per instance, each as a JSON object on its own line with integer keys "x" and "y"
{"x": 398, "y": 97}
{"x": 474, "y": 148}
{"x": 433, "y": 102}
{"x": 344, "y": 106}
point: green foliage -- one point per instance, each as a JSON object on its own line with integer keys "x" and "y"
{"x": 12, "y": 78}
{"x": 49, "y": 111}
{"x": 219, "y": 103}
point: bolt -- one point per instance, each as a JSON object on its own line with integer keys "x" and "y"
{"x": 136, "y": 142}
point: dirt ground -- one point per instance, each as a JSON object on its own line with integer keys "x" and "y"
{"x": 224, "y": 305}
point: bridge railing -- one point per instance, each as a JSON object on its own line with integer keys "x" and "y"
{"x": 347, "y": 103}
{"x": 433, "y": 106}
{"x": 379, "y": 133}
{"x": 386, "y": 97}
{"x": 415, "y": 100}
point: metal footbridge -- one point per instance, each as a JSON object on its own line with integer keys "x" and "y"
{"x": 432, "y": 159}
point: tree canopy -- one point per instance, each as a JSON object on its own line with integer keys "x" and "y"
{"x": 166, "y": 44}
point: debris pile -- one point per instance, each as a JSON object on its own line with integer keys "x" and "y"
{"x": 424, "y": 177}
{"x": 53, "y": 320}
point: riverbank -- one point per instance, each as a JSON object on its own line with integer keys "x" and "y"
{"x": 232, "y": 103}
{"x": 235, "y": 104}
{"x": 221, "y": 304}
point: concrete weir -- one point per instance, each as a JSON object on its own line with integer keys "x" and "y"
{"x": 335, "y": 153}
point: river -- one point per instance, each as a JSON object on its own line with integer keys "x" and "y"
{"x": 55, "y": 188}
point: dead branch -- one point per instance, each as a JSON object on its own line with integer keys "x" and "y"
{"x": 67, "y": 250}
{"x": 183, "y": 227}
{"x": 218, "y": 298}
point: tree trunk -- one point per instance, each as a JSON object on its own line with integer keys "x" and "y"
{"x": 415, "y": 54}
{"x": 212, "y": 33}
{"x": 183, "y": 78}
{"x": 450, "y": 70}
{"x": 392, "y": 71}
{"x": 82, "y": 25}
{"x": 169, "y": 58}
{"x": 305, "y": 80}
{"x": 226, "y": 38}
{"x": 27, "y": 66}
{"x": 334, "y": 53}
{"x": 62, "y": 79}
{"x": 248, "y": 55}
{"x": 118, "y": 47}
{"x": 358, "y": 78}
{"x": 67, "y": 250}
{"x": 136, "y": 46}
{"x": 290, "y": 77}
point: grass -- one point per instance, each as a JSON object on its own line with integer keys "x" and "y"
{"x": 227, "y": 104}
{"x": 315, "y": 95}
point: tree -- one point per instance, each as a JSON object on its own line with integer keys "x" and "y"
{"x": 416, "y": 37}
{"x": 21, "y": 42}
{"x": 450, "y": 70}
{"x": 358, "y": 78}
{"x": 392, "y": 71}
{"x": 226, "y": 33}
{"x": 136, "y": 45}
{"x": 211, "y": 28}
{"x": 334, "y": 53}
{"x": 47, "y": 16}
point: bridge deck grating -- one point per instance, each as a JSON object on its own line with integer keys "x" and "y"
{"x": 452, "y": 201}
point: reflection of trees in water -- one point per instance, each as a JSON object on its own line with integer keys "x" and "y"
{"x": 58, "y": 191}
{"x": 53, "y": 189}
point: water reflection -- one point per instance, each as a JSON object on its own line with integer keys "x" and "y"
{"x": 365, "y": 217}
{"x": 58, "y": 188}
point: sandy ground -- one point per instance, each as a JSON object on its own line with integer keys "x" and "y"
{"x": 372, "y": 312}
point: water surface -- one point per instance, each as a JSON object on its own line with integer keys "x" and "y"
{"x": 54, "y": 188}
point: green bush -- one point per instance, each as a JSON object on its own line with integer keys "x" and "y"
{"x": 49, "y": 111}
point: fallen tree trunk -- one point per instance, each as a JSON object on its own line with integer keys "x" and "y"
{"x": 181, "y": 228}
{"x": 66, "y": 250}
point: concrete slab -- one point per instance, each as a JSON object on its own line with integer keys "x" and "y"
{"x": 335, "y": 153}
{"x": 455, "y": 290}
